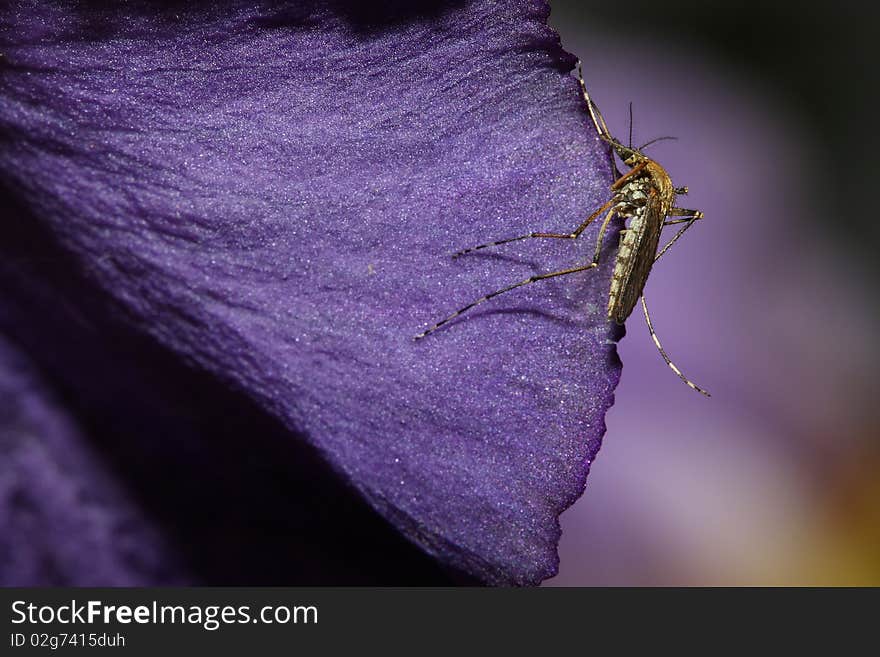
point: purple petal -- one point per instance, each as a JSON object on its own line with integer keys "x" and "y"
{"x": 64, "y": 520}
{"x": 273, "y": 195}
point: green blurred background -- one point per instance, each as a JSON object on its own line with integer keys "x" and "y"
{"x": 771, "y": 302}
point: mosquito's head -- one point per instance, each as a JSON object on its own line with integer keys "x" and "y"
{"x": 630, "y": 156}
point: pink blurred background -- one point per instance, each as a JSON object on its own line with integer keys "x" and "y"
{"x": 774, "y": 480}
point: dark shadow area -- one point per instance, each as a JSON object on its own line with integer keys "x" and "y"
{"x": 506, "y": 258}
{"x": 533, "y": 311}
{"x": 367, "y": 16}
{"x": 243, "y": 499}
{"x": 101, "y": 19}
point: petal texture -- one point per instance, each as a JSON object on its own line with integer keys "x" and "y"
{"x": 271, "y": 195}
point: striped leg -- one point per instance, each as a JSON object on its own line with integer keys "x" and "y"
{"x": 528, "y": 281}
{"x": 697, "y": 215}
{"x": 601, "y": 236}
{"x": 663, "y": 352}
{"x": 533, "y": 279}
{"x": 595, "y": 114}
{"x": 686, "y": 215}
{"x": 560, "y": 236}
{"x": 672, "y": 222}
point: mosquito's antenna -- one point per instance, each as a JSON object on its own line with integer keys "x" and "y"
{"x": 654, "y": 141}
{"x": 630, "y": 145}
{"x": 663, "y": 353}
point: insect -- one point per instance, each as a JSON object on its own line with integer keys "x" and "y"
{"x": 645, "y": 196}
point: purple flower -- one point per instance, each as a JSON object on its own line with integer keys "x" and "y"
{"x": 224, "y": 228}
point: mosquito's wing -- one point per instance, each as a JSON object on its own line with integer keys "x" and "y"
{"x": 634, "y": 272}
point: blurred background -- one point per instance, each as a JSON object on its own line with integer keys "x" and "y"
{"x": 771, "y": 302}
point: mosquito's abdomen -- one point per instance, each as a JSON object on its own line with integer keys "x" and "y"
{"x": 623, "y": 264}
{"x": 644, "y": 208}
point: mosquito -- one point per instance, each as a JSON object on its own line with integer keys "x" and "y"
{"x": 646, "y": 198}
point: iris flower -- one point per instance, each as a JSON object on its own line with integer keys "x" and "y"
{"x": 222, "y": 228}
